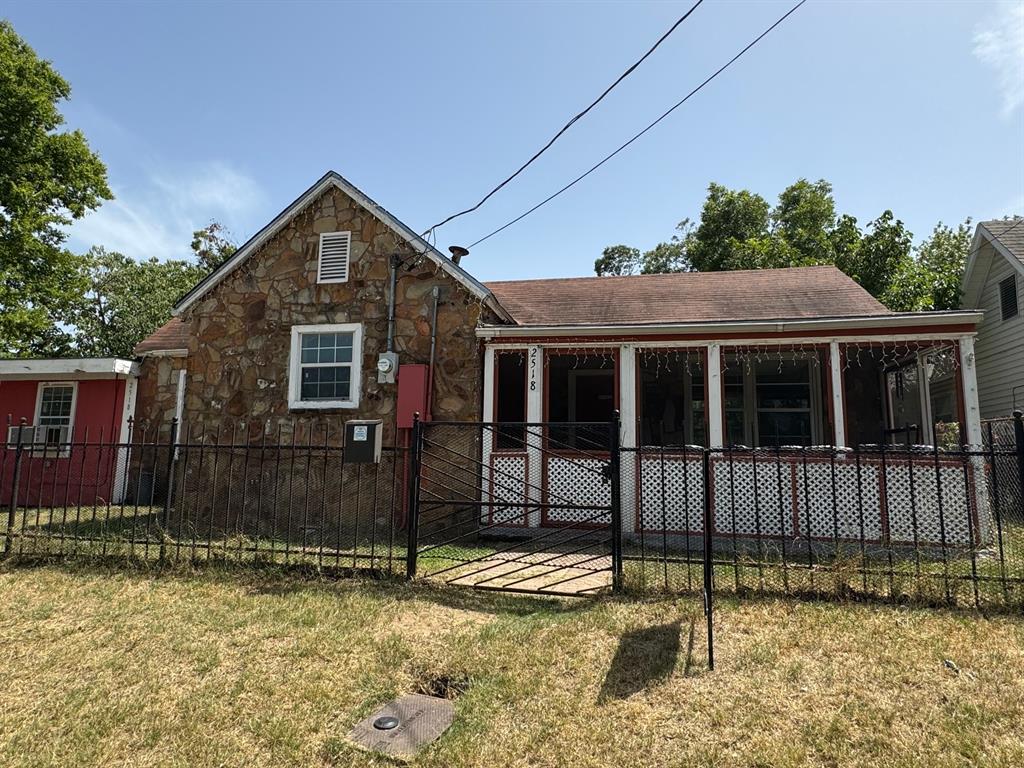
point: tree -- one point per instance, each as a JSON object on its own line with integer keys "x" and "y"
{"x": 47, "y": 179}
{"x": 127, "y": 300}
{"x": 738, "y": 229}
{"x": 944, "y": 256}
{"x": 729, "y": 223}
{"x": 212, "y": 245}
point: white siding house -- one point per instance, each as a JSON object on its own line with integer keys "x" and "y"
{"x": 994, "y": 283}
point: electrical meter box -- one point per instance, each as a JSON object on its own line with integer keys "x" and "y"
{"x": 362, "y": 441}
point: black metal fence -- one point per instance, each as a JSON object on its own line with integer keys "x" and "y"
{"x": 230, "y": 495}
{"x": 891, "y": 522}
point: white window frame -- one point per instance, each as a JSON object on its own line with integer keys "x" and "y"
{"x": 751, "y": 425}
{"x": 295, "y": 401}
{"x": 319, "y": 257}
{"x": 45, "y": 450}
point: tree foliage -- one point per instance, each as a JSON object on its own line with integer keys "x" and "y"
{"x": 127, "y": 300}
{"x": 212, "y": 245}
{"x": 739, "y": 229}
{"x": 48, "y": 178}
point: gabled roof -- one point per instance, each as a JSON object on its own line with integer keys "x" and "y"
{"x": 328, "y": 180}
{"x": 172, "y": 336}
{"x": 686, "y": 297}
{"x": 1006, "y": 236}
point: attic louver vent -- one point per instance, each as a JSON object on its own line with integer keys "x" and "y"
{"x": 334, "y": 252}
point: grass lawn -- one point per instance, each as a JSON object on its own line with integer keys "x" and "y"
{"x": 121, "y": 668}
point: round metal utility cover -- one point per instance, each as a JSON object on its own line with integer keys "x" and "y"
{"x": 385, "y": 723}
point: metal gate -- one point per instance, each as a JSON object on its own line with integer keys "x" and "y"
{"x": 517, "y": 507}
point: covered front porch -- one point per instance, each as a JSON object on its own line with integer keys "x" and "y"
{"x": 803, "y": 421}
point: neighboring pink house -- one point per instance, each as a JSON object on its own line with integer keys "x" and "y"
{"x": 69, "y": 407}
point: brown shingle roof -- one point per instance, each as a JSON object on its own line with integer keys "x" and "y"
{"x": 766, "y": 294}
{"x": 171, "y": 335}
{"x": 1009, "y": 232}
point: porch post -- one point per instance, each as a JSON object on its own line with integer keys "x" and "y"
{"x": 627, "y": 411}
{"x": 487, "y": 416}
{"x": 534, "y": 439}
{"x": 488, "y": 411}
{"x": 838, "y": 406}
{"x": 716, "y": 414}
{"x": 969, "y": 377}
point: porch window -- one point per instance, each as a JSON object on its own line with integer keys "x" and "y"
{"x": 772, "y": 401}
{"x": 55, "y": 406}
{"x": 672, "y": 404}
{"x": 510, "y": 400}
{"x": 325, "y": 366}
{"x": 581, "y": 387}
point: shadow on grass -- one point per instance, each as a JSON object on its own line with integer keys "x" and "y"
{"x": 644, "y": 658}
{"x": 284, "y": 580}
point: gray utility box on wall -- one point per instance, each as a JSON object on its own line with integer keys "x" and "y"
{"x": 362, "y": 441}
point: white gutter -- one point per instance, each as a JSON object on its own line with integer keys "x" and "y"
{"x": 754, "y": 327}
{"x": 95, "y": 368}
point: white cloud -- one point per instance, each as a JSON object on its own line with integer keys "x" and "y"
{"x": 158, "y": 216}
{"x": 999, "y": 43}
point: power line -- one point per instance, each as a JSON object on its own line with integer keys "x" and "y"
{"x": 569, "y": 124}
{"x": 668, "y": 112}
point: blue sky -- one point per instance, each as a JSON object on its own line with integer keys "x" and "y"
{"x": 228, "y": 111}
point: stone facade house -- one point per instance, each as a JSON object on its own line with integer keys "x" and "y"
{"x": 248, "y": 345}
{"x": 337, "y": 311}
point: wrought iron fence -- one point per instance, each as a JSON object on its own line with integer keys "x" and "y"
{"x": 890, "y": 522}
{"x": 918, "y": 523}
{"x": 229, "y": 495}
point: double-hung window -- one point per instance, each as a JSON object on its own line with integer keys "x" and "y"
{"x": 325, "y": 366}
{"x": 55, "y": 408}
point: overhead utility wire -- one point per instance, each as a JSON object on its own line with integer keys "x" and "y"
{"x": 645, "y": 130}
{"x": 568, "y": 125}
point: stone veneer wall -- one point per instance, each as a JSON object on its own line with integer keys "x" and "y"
{"x": 157, "y": 395}
{"x": 238, "y": 362}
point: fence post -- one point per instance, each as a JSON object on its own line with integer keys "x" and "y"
{"x": 1018, "y": 433}
{"x": 709, "y": 571}
{"x": 19, "y": 452}
{"x": 615, "y": 465}
{"x": 412, "y": 546}
{"x": 172, "y": 461}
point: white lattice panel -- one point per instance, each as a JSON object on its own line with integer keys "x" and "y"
{"x": 509, "y": 485}
{"x": 578, "y": 481}
{"x": 747, "y": 496}
{"x": 912, "y": 497}
{"x": 831, "y": 504}
{"x": 671, "y": 494}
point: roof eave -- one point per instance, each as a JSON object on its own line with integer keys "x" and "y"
{"x": 781, "y": 325}
{"x": 98, "y": 367}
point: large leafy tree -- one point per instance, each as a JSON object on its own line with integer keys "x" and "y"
{"x": 739, "y": 229}
{"x": 48, "y": 178}
{"x": 127, "y": 300}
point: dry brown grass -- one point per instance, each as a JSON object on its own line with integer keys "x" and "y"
{"x": 135, "y": 669}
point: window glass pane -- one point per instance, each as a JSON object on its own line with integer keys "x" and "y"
{"x": 784, "y": 428}
{"x": 734, "y": 433}
{"x": 55, "y": 405}
{"x": 783, "y": 395}
{"x": 327, "y": 383}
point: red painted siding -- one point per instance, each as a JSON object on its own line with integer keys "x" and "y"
{"x": 85, "y": 476}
